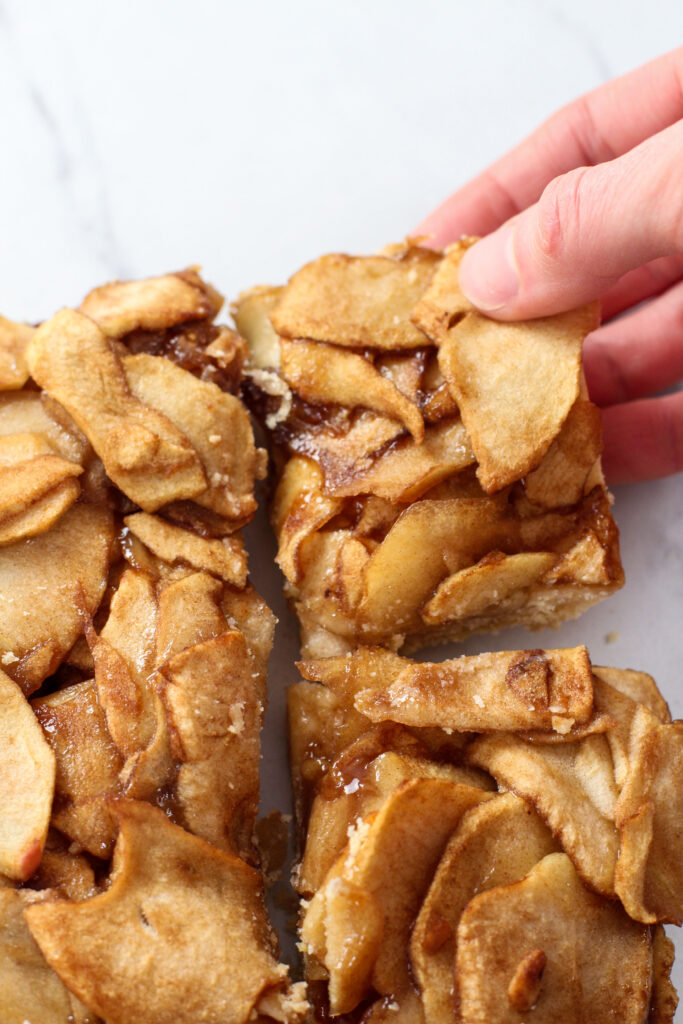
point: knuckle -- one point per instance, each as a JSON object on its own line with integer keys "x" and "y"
{"x": 671, "y": 194}
{"x": 561, "y": 214}
{"x": 614, "y": 372}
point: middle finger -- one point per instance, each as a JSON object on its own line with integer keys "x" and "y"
{"x": 639, "y": 354}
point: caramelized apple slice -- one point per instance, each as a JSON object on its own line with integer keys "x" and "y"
{"x": 495, "y": 843}
{"x": 595, "y": 963}
{"x": 358, "y": 924}
{"x": 144, "y": 454}
{"x": 178, "y": 912}
{"x": 27, "y": 780}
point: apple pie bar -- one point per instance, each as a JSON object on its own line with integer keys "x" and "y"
{"x": 133, "y": 654}
{"x": 438, "y": 472}
{"x": 491, "y": 839}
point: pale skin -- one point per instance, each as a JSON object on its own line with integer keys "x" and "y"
{"x": 591, "y": 206}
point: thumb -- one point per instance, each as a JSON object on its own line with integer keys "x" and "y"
{"x": 589, "y": 227}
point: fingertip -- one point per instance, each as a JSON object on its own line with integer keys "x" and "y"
{"x": 488, "y": 272}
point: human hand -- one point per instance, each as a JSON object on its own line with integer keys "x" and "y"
{"x": 591, "y": 206}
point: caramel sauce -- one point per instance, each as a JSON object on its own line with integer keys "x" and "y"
{"x": 350, "y": 770}
{"x": 318, "y": 998}
{"x": 596, "y": 511}
{"x": 343, "y": 774}
{"x": 203, "y": 521}
{"x": 303, "y": 422}
{"x": 185, "y": 346}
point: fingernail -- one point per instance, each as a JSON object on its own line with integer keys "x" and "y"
{"x": 488, "y": 274}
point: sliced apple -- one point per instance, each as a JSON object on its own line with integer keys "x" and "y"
{"x": 27, "y": 782}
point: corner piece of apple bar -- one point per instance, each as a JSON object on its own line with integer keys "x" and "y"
{"x": 438, "y": 471}
{"x": 472, "y": 831}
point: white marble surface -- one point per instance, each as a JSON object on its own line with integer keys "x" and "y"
{"x": 139, "y": 137}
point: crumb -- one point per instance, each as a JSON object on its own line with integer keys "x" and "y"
{"x": 272, "y": 384}
{"x": 236, "y": 718}
{"x": 220, "y": 479}
{"x": 611, "y": 637}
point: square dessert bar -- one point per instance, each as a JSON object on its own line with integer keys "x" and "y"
{"x": 438, "y": 472}
{"x": 488, "y": 839}
{"x": 133, "y": 652}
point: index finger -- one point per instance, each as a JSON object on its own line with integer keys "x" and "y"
{"x": 599, "y": 126}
